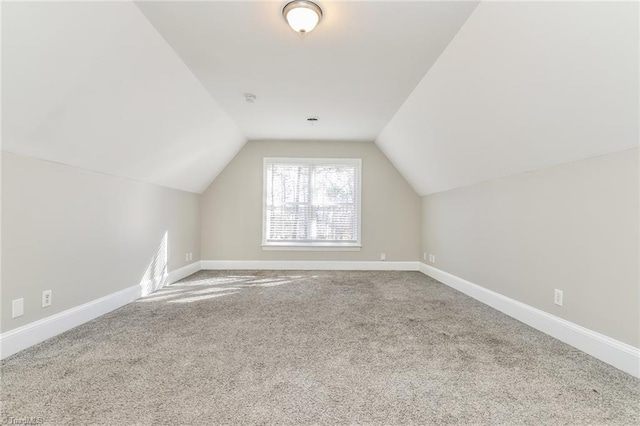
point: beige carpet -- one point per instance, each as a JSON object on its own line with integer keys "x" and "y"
{"x": 232, "y": 347}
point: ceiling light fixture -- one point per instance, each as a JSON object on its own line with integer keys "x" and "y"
{"x": 302, "y": 15}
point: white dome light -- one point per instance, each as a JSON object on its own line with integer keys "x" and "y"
{"x": 302, "y": 15}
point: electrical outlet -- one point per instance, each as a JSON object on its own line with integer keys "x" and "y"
{"x": 186, "y": 257}
{"x": 432, "y": 258}
{"x": 383, "y": 256}
{"x": 46, "y": 298}
{"x": 424, "y": 256}
{"x": 557, "y": 297}
{"x": 17, "y": 308}
{"x": 190, "y": 256}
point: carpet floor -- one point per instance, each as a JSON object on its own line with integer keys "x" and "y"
{"x": 322, "y": 347}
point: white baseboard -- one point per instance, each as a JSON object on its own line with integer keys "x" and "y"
{"x": 20, "y": 338}
{"x": 618, "y": 354}
{"x": 310, "y": 265}
{"x": 185, "y": 271}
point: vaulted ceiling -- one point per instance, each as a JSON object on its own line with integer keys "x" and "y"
{"x": 522, "y": 86}
{"x": 93, "y": 85}
{"x": 453, "y": 92}
{"x": 353, "y": 72}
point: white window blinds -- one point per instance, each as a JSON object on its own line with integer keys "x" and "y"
{"x": 314, "y": 202}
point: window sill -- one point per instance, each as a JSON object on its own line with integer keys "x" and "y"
{"x": 314, "y": 247}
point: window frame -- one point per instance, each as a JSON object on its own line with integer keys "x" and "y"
{"x": 313, "y": 245}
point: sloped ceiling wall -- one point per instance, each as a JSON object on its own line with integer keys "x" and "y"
{"x": 522, "y": 86}
{"x": 353, "y": 71}
{"x": 94, "y": 85}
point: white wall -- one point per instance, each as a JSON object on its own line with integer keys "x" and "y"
{"x": 83, "y": 234}
{"x": 572, "y": 227}
{"x": 232, "y": 206}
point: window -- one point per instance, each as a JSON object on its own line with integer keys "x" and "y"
{"x": 311, "y": 202}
